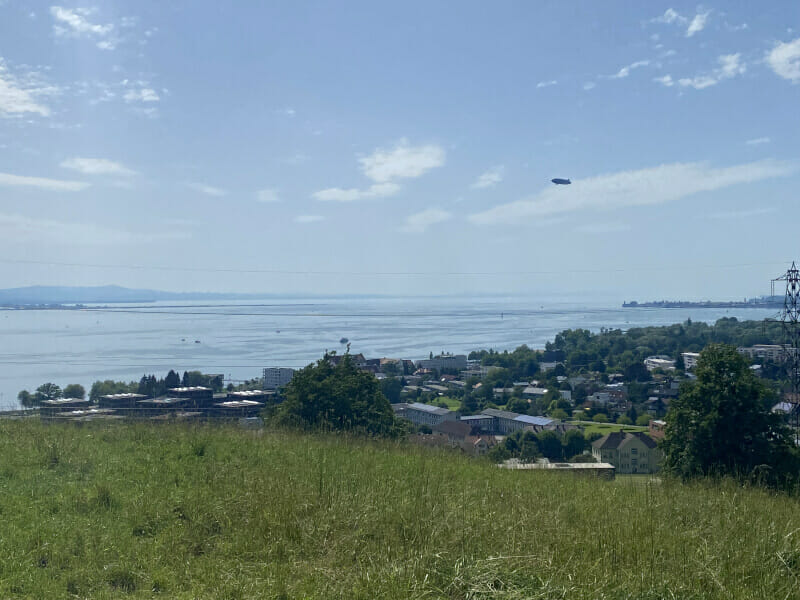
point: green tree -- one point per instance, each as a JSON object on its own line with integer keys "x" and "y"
{"x": 550, "y": 445}
{"x": 75, "y": 390}
{"x": 26, "y": 399}
{"x": 574, "y": 443}
{"x": 644, "y": 419}
{"x": 391, "y": 388}
{"x": 47, "y": 391}
{"x": 172, "y": 380}
{"x": 558, "y": 413}
{"x": 624, "y": 420}
{"x": 338, "y": 397}
{"x": 600, "y": 418}
{"x": 720, "y": 424}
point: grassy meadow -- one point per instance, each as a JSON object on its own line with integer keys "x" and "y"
{"x": 107, "y": 511}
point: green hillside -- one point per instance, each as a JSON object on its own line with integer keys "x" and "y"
{"x": 186, "y": 512}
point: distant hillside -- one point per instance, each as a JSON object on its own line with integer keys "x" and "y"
{"x": 39, "y": 294}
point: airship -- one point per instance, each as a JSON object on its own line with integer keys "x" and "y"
{"x": 559, "y": 181}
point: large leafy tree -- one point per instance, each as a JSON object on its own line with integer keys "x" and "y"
{"x": 75, "y": 390}
{"x": 721, "y": 424}
{"x": 337, "y": 397}
{"x": 47, "y": 391}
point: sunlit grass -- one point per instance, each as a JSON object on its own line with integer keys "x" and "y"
{"x": 214, "y": 512}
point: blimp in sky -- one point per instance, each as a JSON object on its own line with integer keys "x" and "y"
{"x": 559, "y": 181}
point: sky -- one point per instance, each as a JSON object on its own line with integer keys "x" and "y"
{"x": 401, "y": 148}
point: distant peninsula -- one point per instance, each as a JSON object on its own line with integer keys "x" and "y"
{"x": 760, "y": 302}
{"x": 109, "y": 294}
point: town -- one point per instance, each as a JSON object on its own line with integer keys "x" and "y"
{"x": 587, "y": 403}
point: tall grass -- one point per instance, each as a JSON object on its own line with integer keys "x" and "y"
{"x": 214, "y": 512}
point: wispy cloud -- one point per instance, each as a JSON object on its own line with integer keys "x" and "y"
{"x": 268, "y": 195}
{"x": 544, "y": 84}
{"x": 743, "y": 214}
{"x": 19, "y": 95}
{"x": 287, "y": 112}
{"x": 304, "y": 219}
{"x": 698, "y": 23}
{"x": 209, "y": 190}
{"x": 377, "y": 190}
{"x": 402, "y": 162}
{"x": 490, "y": 178}
{"x": 758, "y": 141}
{"x": 75, "y": 23}
{"x": 97, "y": 166}
{"x": 42, "y": 183}
{"x": 673, "y": 17}
{"x": 19, "y": 228}
{"x": 669, "y": 17}
{"x": 141, "y": 95}
{"x": 730, "y": 65}
{"x": 784, "y": 60}
{"x": 419, "y": 222}
{"x": 589, "y": 85}
{"x": 383, "y": 167}
{"x": 641, "y": 187}
{"x": 626, "y": 70}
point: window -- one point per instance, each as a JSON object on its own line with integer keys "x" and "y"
{"x": 634, "y": 450}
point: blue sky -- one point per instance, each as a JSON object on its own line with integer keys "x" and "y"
{"x": 401, "y": 148}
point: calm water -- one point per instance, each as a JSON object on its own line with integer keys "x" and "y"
{"x": 239, "y": 339}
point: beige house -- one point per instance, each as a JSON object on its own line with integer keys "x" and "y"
{"x": 629, "y": 452}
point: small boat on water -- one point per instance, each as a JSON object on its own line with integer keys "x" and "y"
{"x": 197, "y": 341}
{"x": 343, "y": 340}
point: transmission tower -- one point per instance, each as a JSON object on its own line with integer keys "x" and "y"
{"x": 789, "y": 318}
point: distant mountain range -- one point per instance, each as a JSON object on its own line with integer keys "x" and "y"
{"x": 41, "y": 294}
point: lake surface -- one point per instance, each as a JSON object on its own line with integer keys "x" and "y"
{"x": 239, "y": 339}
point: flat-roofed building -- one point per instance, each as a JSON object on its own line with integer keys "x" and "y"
{"x": 277, "y": 377}
{"x": 423, "y": 414}
{"x": 444, "y": 362}
{"x": 60, "y": 405}
{"x": 690, "y": 360}
{"x": 120, "y": 400}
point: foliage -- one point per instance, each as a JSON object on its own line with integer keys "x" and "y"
{"x": 643, "y": 420}
{"x": 324, "y": 396}
{"x": 26, "y": 399}
{"x": 47, "y": 391}
{"x": 74, "y": 390}
{"x": 600, "y": 418}
{"x": 721, "y": 424}
{"x": 391, "y": 388}
{"x": 104, "y": 388}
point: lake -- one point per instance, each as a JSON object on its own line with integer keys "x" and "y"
{"x": 239, "y": 339}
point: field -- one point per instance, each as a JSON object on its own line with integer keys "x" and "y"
{"x": 604, "y": 428}
{"x": 107, "y": 511}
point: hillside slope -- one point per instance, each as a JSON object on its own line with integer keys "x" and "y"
{"x": 221, "y": 513}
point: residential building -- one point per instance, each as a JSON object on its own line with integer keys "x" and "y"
{"x": 659, "y": 362}
{"x": 546, "y": 366}
{"x": 534, "y": 392}
{"x": 770, "y": 352}
{"x": 423, "y": 414}
{"x": 277, "y": 377}
{"x": 690, "y": 360}
{"x": 629, "y": 452}
{"x": 445, "y": 362}
{"x": 601, "y": 398}
{"x": 657, "y": 427}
